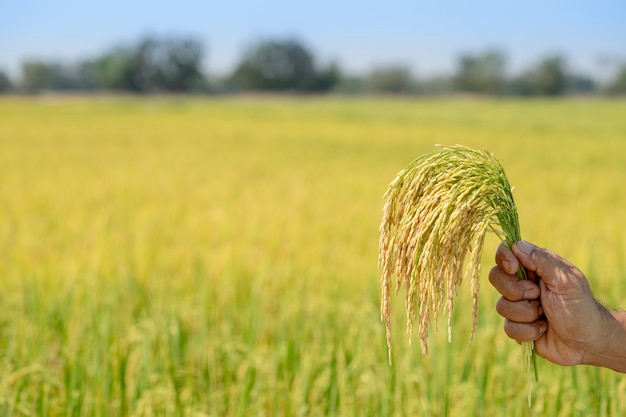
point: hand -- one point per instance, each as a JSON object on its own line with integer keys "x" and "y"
{"x": 555, "y": 307}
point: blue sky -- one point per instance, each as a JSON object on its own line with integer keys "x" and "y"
{"x": 428, "y": 36}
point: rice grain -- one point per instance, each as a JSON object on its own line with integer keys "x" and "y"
{"x": 436, "y": 215}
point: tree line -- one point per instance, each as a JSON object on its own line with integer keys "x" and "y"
{"x": 175, "y": 65}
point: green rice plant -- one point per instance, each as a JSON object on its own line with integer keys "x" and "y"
{"x": 436, "y": 215}
{"x": 188, "y": 247}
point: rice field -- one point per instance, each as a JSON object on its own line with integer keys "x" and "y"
{"x": 218, "y": 257}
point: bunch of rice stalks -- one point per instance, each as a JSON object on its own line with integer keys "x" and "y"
{"x": 437, "y": 213}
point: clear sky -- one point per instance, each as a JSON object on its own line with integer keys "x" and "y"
{"x": 428, "y": 36}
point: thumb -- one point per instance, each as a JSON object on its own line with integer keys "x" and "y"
{"x": 549, "y": 266}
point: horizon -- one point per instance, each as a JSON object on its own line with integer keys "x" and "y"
{"x": 358, "y": 36}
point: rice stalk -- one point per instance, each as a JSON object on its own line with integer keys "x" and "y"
{"x": 436, "y": 215}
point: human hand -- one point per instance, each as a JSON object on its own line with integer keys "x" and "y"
{"x": 555, "y": 307}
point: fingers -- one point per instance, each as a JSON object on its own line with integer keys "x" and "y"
{"x": 519, "y": 304}
{"x": 511, "y": 287}
{"x": 520, "y": 311}
{"x": 525, "y": 332}
{"x": 506, "y": 260}
{"x": 552, "y": 268}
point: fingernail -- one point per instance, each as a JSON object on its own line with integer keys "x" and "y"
{"x": 524, "y": 247}
{"x": 543, "y": 327}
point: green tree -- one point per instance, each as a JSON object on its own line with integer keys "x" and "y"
{"x": 484, "y": 73}
{"x": 178, "y": 64}
{"x": 392, "y": 79}
{"x": 152, "y": 64}
{"x": 112, "y": 70}
{"x": 618, "y": 84}
{"x": 327, "y": 78}
{"x": 282, "y": 65}
{"x": 5, "y": 83}
{"x": 581, "y": 84}
{"x": 36, "y": 76}
{"x": 548, "y": 78}
{"x": 40, "y": 75}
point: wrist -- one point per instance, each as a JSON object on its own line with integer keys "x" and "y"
{"x": 610, "y": 349}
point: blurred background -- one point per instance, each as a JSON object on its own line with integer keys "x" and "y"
{"x": 399, "y": 47}
{"x": 191, "y": 193}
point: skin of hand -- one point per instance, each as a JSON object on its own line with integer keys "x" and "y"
{"x": 556, "y": 309}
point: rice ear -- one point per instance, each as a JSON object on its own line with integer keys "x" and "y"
{"x": 436, "y": 215}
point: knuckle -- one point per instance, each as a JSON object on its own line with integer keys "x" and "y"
{"x": 536, "y": 309}
{"x": 521, "y": 332}
{"x": 515, "y": 290}
{"x": 493, "y": 274}
{"x": 509, "y": 328}
{"x": 500, "y": 253}
{"x": 502, "y": 307}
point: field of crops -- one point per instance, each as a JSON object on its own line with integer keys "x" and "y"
{"x": 217, "y": 257}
